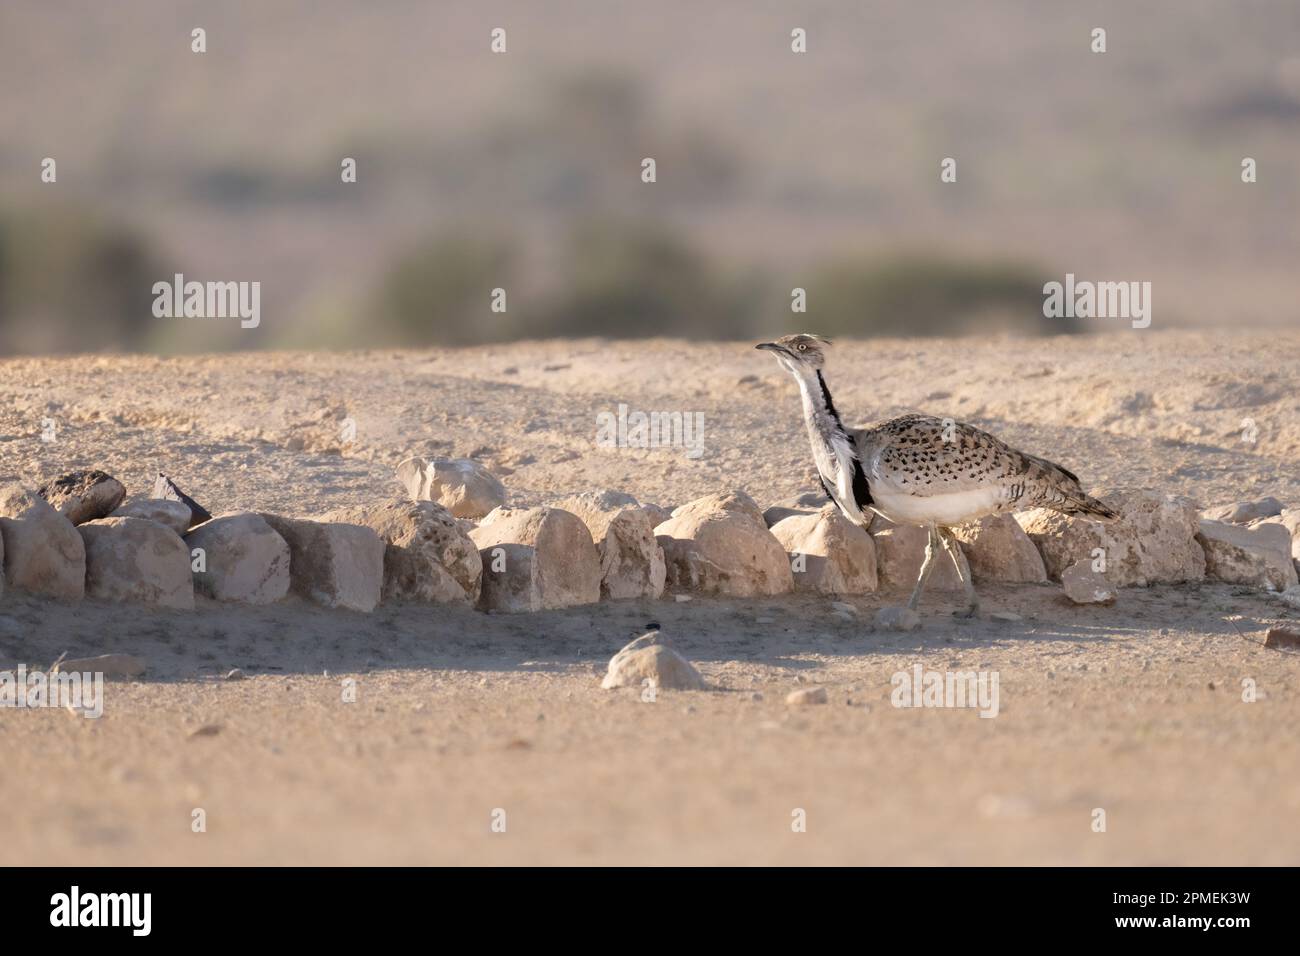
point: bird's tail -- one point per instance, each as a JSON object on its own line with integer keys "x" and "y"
{"x": 1079, "y": 503}
{"x": 1064, "y": 493}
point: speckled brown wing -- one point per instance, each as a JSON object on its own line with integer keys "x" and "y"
{"x": 923, "y": 456}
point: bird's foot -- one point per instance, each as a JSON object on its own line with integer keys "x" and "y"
{"x": 970, "y": 612}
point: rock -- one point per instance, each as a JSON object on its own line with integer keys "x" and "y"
{"x": 335, "y": 565}
{"x": 110, "y": 665}
{"x": 1244, "y": 512}
{"x": 43, "y": 553}
{"x": 900, "y": 549}
{"x": 831, "y": 554}
{"x": 1083, "y": 585}
{"x": 998, "y": 549}
{"x": 649, "y": 657}
{"x": 681, "y": 598}
{"x": 844, "y": 607}
{"x": 656, "y": 514}
{"x": 82, "y": 496}
{"x": 1259, "y": 556}
{"x": 631, "y": 560}
{"x": 897, "y": 619}
{"x": 1291, "y": 597}
{"x": 1282, "y": 637}
{"x": 166, "y": 489}
{"x": 131, "y": 560}
{"x": 1289, "y": 519}
{"x": 234, "y": 674}
{"x": 1152, "y": 542}
{"x": 1008, "y": 617}
{"x": 427, "y": 555}
{"x": 809, "y": 503}
{"x": 463, "y": 487}
{"x": 719, "y": 545}
{"x": 807, "y": 695}
{"x": 535, "y": 559}
{"x": 244, "y": 559}
{"x": 165, "y": 511}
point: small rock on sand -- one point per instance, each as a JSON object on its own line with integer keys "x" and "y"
{"x": 462, "y": 486}
{"x": 897, "y": 619}
{"x": 110, "y": 665}
{"x": 1083, "y": 585}
{"x": 805, "y": 696}
{"x": 650, "y": 657}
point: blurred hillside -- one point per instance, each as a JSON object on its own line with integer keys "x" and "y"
{"x": 522, "y": 170}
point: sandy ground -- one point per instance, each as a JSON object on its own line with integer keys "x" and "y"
{"x": 1135, "y": 709}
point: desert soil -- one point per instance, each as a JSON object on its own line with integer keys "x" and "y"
{"x": 1136, "y": 709}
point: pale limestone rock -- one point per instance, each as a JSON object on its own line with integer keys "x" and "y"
{"x": 335, "y": 565}
{"x": 244, "y": 559}
{"x": 43, "y": 553}
{"x": 166, "y": 512}
{"x": 719, "y": 545}
{"x": 1152, "y": 542}
{"x": 656, "y": 514}
{"x": 428, "y": 556}
{"x": 132, "y": 560}
{"x": 631, "y": 560}
{"x": 835, "y": 555}
{"x": 82, "y": 496}
{"x": 1083, "y": 585}
{"x": 808, "y": 503}
{"x": 649, "y": 658}
{"x": 463, "y": 487}
{"x": 1244, "y": 512}
{"x": 536, "y": 559}
{"x": 997, "y": 549}
{"x": 900, "y": 549}
{"x": 1259, "y": 556}
{"x": 1289, "y": 519}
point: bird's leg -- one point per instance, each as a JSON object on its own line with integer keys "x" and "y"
{"x": 931, "y": 546}
{"x": 972, "y": 602}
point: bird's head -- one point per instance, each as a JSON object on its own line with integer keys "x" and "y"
{"x": 800, "y": 352}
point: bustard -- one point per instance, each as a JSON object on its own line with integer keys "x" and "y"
{"x": 917, "y": 469}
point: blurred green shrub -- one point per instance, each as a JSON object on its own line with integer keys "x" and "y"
{"x": 633, "y": 280}
{"x": 923, "y": 295}
{"x": 441, "y": 292}
{"x": 70, "y": 282}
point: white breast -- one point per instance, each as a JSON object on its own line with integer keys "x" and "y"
{"x": 944, "y": 509}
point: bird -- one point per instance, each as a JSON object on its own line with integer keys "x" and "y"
{"x": 922, "y": 470}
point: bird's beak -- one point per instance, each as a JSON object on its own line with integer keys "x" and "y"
{"x": 770, "y": 347}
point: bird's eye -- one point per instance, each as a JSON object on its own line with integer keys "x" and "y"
{"x": 803, "y": 348}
